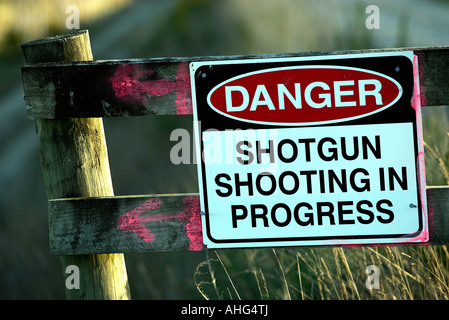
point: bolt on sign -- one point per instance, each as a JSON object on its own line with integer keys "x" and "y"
{"x": 310, "y": 151}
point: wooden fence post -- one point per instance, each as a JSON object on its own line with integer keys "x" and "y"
{"x": 75, "y": 163}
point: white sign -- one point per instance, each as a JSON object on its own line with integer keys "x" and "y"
{"x": 317, "y": 180}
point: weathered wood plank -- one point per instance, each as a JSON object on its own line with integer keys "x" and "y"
{"x": 438, "y": 209}
{"x": 163, "y": 223}
{"x": 434, "y": 76}
{"x": 117, "y": 88}
{"x": 125, "y": 224}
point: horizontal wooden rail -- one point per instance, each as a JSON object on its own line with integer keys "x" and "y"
{"x": 125, "y": 224}
{"x": 117, "y": 88}
{"x": 163, "y": 223}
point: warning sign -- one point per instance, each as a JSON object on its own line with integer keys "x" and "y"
{"x": 310, "y": 151}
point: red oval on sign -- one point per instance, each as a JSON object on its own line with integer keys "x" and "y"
{"x": 304, "y": 95}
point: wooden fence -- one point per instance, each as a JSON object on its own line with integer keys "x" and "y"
{"x": 67, "y": 94}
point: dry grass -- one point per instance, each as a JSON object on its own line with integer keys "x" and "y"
{"x": 405, "y": 273}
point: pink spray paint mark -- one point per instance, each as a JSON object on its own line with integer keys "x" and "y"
{"x": 128, "y": 85}
{"x": 183, "y": 100}
{"x": 134, "y": 221}
{"x": 418, "y": 74}
{"x": 416, "y": 104}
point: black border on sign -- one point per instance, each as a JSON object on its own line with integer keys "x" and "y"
{"x": 401, "y": 112}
